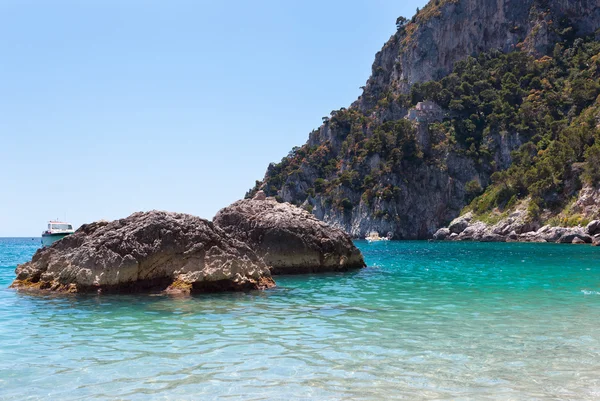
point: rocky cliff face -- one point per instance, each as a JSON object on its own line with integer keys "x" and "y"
{"x": 447, "y": 31}
{"x": 367, "y": 168}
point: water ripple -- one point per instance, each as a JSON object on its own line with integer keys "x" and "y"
{"x": 432, "y": 321}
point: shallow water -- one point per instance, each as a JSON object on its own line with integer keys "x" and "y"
{"x": 423, "y": 321}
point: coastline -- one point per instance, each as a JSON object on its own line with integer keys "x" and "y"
{"x": 517, "y": 228}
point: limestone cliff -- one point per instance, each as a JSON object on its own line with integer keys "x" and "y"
{"x": 447, "y": 31}
{"x": 492, "y": 67}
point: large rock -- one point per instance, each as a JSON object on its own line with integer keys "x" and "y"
{"x": 289, "y": 239}
{"x": 145, "y": 252}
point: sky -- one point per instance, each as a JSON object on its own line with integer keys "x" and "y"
{"x": 115, "y": 106}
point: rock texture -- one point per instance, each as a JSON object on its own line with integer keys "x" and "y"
{"x": 519, "y": 226}
{"x": 144, "y": 252}
{"x": 424, "y": 196}
{"x": 515, "y": 228}
{"x": 289, "y": 239}
{"x": 447, "y": 31}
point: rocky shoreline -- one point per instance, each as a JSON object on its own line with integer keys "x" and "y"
{"x": 180, "y": 253}
{"x": 517, "y": 228}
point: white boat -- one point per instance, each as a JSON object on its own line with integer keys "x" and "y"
{"x": 56, "y": 230}
{"x": 374, "y": 237}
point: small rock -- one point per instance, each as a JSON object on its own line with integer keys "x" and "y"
{"x": 441, "y": 234}
{"x": 459, "y": 224}
{"x": 473, "y": 232}
{"x": 493, "y": 238}
{"x": 577, "y": 240}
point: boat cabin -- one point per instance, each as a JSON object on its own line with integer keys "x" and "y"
{"x": 59, "y": 226}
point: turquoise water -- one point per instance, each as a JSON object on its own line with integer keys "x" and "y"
{"x": 423, "y": 321}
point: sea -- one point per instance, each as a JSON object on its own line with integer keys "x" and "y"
{"x": 424, "y": 321}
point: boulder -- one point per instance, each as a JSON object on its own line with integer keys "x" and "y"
{"x": 517, "y": 221}
{"x": 593, "y": 227}
{"x": 577, "y": 240}
{"x": 492, "y": 237}
{"x": 441, "y": 234}
{"x": 596, "y": 240}
{"x": 473, "y": 232}
{"x": 146, "y": 252}
{"x": 289, "y": 239}
{"x": 459, "y": 224}
{"x": 572, "y": 234}
{"x": 551, "y": 234}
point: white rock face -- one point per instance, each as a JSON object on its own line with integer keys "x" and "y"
{"x": 461, "y": 28}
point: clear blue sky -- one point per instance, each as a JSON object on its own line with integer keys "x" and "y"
{"x": 112, "y": 106}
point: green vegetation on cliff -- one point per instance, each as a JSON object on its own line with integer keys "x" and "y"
{"x": 558, "y": 114}
{"x": 549, "y": 103}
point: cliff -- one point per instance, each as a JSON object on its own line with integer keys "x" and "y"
{"x": 507, "y": 75}
{"x": 448, "y": 31}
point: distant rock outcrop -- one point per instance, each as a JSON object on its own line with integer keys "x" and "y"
{"x": 289, "y": 239}
{"x": 146, "y": 252}
{"x": 514, "y": 228}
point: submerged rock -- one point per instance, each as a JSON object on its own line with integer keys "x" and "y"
{"x": 289, "y": 239}
{"x": 145, "y": 252}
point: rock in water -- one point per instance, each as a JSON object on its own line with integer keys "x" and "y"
{"x": 145, "y": 252}
{"x": 289, "y": 239}
{"x": 442, "y": 234}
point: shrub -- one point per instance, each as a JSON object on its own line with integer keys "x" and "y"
{"x": 346, "y": 204}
